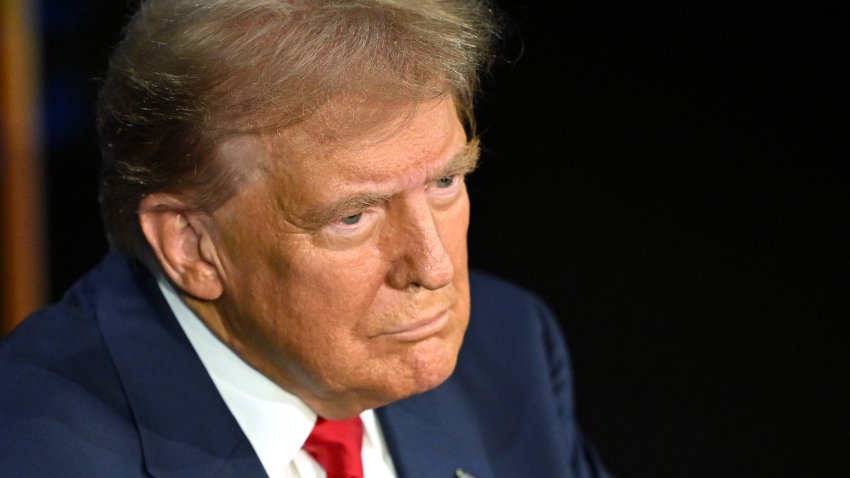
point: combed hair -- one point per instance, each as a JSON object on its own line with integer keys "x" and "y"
{"x": 190, "y": 73}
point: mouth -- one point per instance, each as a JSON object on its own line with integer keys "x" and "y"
{"x": 420, "y": 329}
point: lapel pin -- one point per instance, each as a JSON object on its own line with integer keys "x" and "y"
{"x": 459, "y": 473}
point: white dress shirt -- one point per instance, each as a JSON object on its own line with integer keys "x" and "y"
{"x": 276, "y": 422}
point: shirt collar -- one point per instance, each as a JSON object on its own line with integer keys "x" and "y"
{"x": 276, "y": 422}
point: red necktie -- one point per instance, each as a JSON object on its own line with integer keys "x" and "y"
{"x": 336, "y": 445}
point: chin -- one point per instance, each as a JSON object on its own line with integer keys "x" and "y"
{"x": 429, "y": 370}
{"x": 432, "y": 380}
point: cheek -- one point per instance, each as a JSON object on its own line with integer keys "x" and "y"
{"x": 336, "y": 285}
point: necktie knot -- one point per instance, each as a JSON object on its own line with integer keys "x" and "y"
{"x": 336, "y": 446}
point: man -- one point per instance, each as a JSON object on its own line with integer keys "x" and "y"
{"x": 283, "y": 187}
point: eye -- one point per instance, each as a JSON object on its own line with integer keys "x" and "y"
{"x": 352, "y": 219}
{"x": 353, "y": 225}
{"x": 445, "y": 181}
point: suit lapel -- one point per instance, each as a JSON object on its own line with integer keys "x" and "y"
{"x": 432, "y": 436}
{"x": 184, "y": 425}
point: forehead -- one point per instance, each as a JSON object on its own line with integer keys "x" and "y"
{"x": 365, "y": 144}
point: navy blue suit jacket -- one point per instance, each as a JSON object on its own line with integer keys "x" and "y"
{"x": 106, "y": 384}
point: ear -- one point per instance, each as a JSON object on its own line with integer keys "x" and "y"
{"x": 182, "y": 245}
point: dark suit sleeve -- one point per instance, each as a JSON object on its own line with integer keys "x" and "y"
{"x": 516, "y": 376}
{"x": 62, "y": 412}
{"x": 583, "y": 458}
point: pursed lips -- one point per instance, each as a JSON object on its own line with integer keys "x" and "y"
{"x": 421, "y": 328}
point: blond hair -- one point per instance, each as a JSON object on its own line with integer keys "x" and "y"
{"x": 190, "y": 72}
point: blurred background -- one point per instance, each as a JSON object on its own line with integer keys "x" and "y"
{"x": 671, "y": 179}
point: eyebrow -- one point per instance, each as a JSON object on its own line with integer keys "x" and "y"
{"x": 463, "y": 162}
{"x": 345, "y": 205}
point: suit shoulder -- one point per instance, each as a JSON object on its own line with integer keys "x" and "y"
{"x": 51, "y": 335}
{"x": 57, "y": 354}
{"x": 54, "y": 352}
{"x": 491, "y": 294}
{"x": 61, "y": 391}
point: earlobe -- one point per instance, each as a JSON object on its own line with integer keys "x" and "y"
{"x": 183, "y": 247}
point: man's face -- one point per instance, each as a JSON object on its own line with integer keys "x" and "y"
{"x": 344, "y": 262}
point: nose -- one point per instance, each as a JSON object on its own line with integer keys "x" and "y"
{"x": 421, "y": 259}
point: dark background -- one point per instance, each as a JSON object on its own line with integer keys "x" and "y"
{"x": 669, "y": 178}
